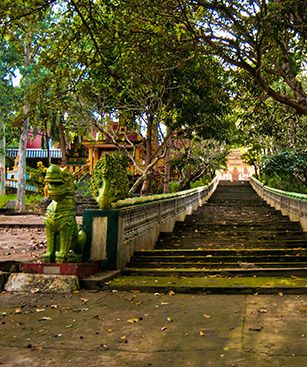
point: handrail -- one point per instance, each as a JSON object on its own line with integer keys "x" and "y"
{"x": 158, "y": 211}
{"x": 114, "y": 234}
{"x": 158, "y": 197}
{"x": 291, "y": 204}
{"x": 35, "y": 153}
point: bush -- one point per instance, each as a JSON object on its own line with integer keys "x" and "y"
{"x": 174, "y": 186}
{"x": 285, "y": 170}
{"x": 37, "y": 177}
{"x": 201, "y": 182}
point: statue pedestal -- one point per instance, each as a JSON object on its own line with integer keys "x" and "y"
{"x": 82, "y": 270}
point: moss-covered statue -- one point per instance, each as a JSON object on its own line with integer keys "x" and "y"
{"x": 65, "y": 239}
{"x": 109, "y": 181}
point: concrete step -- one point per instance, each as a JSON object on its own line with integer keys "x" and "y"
{"x": 206, "y": 252}
{"x": 257, "y": 234}
{"x": 210, "y": 284}
{"x": 231, "y": 272}
{"x": 189, "y": 242}
{"x": 237, "y": 227}
{"x": 216, "y": 265}
{"x": 235, "y": 239}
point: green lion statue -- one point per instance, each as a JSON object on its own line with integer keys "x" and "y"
{"x": 65, "y": 239}
{"x": 109, "y": 181}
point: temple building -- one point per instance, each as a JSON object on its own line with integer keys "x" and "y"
{"x": 236, "y": 169}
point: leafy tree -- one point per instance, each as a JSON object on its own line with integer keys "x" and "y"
{"x": 6, "y": 95}
{"x": 198, "y": 158}
{"x": 286, "y": 170}
{"x": 144, "y": 71}
{"x": 265, "y": 38}
{"x": 23, "y": 29}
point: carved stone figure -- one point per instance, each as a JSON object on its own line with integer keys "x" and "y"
{"x": 65, "y": 239}
{"x": 109, "y": 181}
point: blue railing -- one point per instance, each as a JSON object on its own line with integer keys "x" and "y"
{"x": 14, "y": 184}
{"x": 35, "y": 153}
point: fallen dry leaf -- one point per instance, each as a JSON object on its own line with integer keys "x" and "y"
{"x": 40, "y": 310}
{"x": 34, "y": 290}
{"x": 133, "y": 320}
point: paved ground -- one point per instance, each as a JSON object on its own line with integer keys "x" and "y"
{"x": 118, "y": 329}
{"x": 22, "y": 237}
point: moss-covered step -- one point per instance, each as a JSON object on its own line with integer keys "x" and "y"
{"x": 207, "y": 252}
{"x": 223, "y": 271}
{"x": 221, "y": 285}
{"x": 217, "y": 265}
{"x": 212, "y": 260}
{"x": 228, "y": 227}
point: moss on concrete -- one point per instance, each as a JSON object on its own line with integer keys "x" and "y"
{"x": 212, "y": 283}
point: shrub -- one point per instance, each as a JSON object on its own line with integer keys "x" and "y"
{"x": 37, "y": 177}
{"x": 201, "y": 182}
{"x": 285, "y": 170}
{"x": 174, "y": 186}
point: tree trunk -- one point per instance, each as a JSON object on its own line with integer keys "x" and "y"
{"x": 167, "y": 167}
{"x": 148, "y": 156}
{"x": 62, "y": 140}
{"x": 47, "y": 144}
{"x": 2, "y": 158}
{"x": 21, "y": 188}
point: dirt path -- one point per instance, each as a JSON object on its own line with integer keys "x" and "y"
{"x": 22, "y": 243}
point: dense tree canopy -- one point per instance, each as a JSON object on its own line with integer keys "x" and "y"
{"x": 195, "y": 66}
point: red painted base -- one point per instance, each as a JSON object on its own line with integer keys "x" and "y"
{"x": 82, "y": 270}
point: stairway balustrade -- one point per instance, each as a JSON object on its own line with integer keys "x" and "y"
{"x": 291, "y": 204}
{"x": 115, "y": 234}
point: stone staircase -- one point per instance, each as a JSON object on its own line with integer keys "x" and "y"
{"x": 236, "y": 237}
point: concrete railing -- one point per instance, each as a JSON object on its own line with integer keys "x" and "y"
{"x": 114, "y": 235}
{"x": 290, "y": 204}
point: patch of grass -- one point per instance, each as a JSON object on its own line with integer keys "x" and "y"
{"x": 5, "y": 198}
{"x": 31, "y": 200}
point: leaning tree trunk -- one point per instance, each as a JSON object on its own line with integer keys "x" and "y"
{"x": 2, "y": 158}
{"x": 21, "y": 188}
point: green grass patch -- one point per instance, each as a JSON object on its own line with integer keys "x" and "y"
{"x": 5, "y": 198}
{"x": 31, "y": 200}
